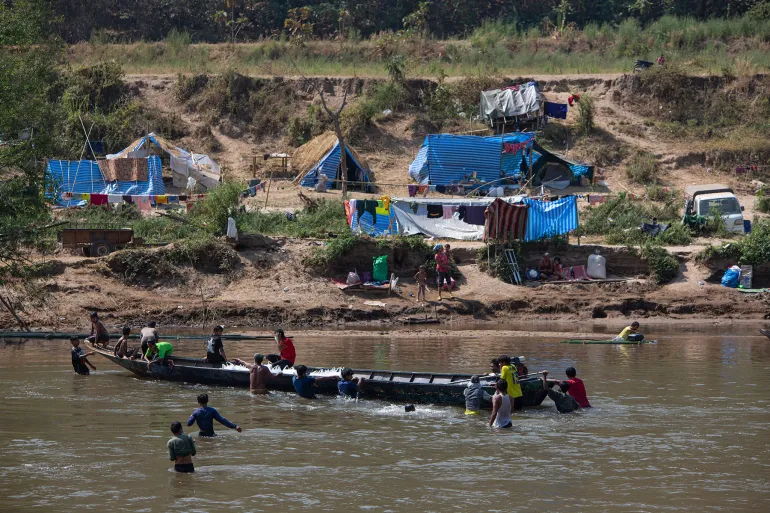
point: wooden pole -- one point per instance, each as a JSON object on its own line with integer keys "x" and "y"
{"x": 269, "y": 182}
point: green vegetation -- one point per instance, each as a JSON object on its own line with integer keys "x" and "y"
{"x": 618, "y": 220}
{"x": 663, "y": 266}
{"x": 585, "y": 120}
{"x": 643, "y": 168}
{"x": 762, "y": 202}
{"x": 327, "y": 217}
{"x": 752, "y": 249}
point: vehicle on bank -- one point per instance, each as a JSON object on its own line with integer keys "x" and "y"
{"x": 704, "y": 201}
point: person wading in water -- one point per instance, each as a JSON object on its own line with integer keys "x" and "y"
{"x": 205, "y": 416}
{"x": 501, "y": 407}
{"x": 258, "y": 374}
{"x": 181, "y": 449}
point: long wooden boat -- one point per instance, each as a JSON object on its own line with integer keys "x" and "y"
{"x": 56, "y": 335}
{"x": 407, "y": 387}
{"x": 608, "y": 342}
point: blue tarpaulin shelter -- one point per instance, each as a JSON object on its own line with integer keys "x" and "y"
{"x": 549, "y": 218}
{"x": 323, "y": 155}
{"x": 84, "y": 176}
{"x": 446, "y": 159}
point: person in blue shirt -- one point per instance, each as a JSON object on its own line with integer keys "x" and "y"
{"x": 205, "y": 417}
{"x": 304, "y": 384}
{"x": 349, "y": 386}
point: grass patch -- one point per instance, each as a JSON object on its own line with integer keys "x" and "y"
{"x": 752, "y": 249}
{"x": 663, "y": 266}
{"x": 643, "y": 168}
{"x": 327, "y": 217}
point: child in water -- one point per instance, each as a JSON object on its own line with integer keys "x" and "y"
{"x": 79, "y": 358}
{"x": 422, "y": 281}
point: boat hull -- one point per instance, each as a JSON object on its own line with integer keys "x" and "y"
{"x": 406, "y": 387}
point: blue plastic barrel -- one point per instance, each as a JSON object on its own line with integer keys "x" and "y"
{"x": 746, "y": 226}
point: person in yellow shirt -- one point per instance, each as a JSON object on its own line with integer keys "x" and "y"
{"x": 511, "y": 376}
{"x": 630, "y": 333}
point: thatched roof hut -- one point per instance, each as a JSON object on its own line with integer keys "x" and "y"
{"x": 322, "y": 155}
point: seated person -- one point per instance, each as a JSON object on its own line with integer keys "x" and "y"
{"x": 558, "y": 269}
{"x": 557, "y": 391}
{"x": 545, "y": 267}
{"x": 121, "y": 347}
{"x": 349, "y": 386}
{"x": 630, "y": 334}
{"x": 286, "y": 352}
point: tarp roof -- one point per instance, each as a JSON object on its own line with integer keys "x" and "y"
{"x": 445, "y": 159}
{"x": 510, "y": 102}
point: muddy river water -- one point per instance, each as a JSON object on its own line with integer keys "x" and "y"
{"x": 679, "y": 426}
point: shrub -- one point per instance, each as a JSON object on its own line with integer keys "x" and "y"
{"x": 663, "y": 266}
{"x": 333, "y": 250}
{"x": 762, "y": 202}
{"x": 220, "y": 204}
{"x": 643, "y": 168}
{"x": 585, "y": 119}
{"x": 753, "y": 249}
{"x": 327, "y": 217}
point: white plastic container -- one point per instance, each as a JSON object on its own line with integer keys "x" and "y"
{"x": 597, "y": 267}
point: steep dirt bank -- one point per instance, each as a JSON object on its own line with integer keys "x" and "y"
{"x": 270, "y": 288}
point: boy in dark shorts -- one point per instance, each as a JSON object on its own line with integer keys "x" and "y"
{"x": 181, "y": 449}
{"x": 80, "y": 358}
{"x": 121, "y": 347}
{"x": 99, "y": 334}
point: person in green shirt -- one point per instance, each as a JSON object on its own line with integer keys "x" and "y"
{"x": 181, "y": 449}
{"x": 159, "y": 352}
{"x": 511, "y": 376}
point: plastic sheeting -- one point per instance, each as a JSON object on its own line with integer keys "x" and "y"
{"x": 411, "y": 223}
{"x": 446, "y": 159}
{"x": 84, "y": 176}
{"x": 497, "y": 103}
{"x": 328, "y": 167}
{"x": 549, "y": 218}
{"x": 385, "y": 225}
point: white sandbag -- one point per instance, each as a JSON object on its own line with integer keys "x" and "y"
{"x": 597, "y": 267}
{"x": 232, "y": 231}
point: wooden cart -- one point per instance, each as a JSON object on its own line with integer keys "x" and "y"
{"x": 98, "y": 242}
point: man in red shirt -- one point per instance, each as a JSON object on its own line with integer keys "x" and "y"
{"x": 286, "y": 351}
{"x": 442, "y": 268}
{"x": 577, "y": 389}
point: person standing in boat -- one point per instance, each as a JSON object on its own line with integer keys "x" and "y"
{"x": 521, "y": 369}
{"x": 205, "y": 416}
{"x": 511, "y": 376}
{"x": 501, "y": 406}
{"x": 475, "y": 396}
{"x": 286, "y": 352}
{"x": 630, "y": 334}
{"x": 349, "y": 386}
{"x": 557, "y": 391}
{"x": 576, "y": 388}
{"x": 181, "y": 449}
{"x": 149, "y": 332}
{"x": 99, "y": 334}
{"x": 258, "y": 374}
{"x": 80, "y": 358}
{"x": 215, "y": 350}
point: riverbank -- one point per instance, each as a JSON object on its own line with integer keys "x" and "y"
{"x": 270, "y": 288}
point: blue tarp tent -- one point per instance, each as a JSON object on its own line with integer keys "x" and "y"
{"x": 446, "y": 159}
{"x": 549, "y": 218}
{"x": 84, "y": 176}
{"x": 329, "y": 163}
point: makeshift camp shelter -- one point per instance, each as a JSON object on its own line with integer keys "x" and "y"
{"x": 446, "y": 159}
{"x": 183, "y": 163}
{"x": 87, "y": 177}
{"x": 509, "y": 104}
{"x": 556, "y": 171}
{"x": 321, "y": 156}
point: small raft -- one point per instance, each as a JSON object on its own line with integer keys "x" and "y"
{"x": 608, "y": 342}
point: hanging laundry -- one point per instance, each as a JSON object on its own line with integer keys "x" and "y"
{"x": 448, "y": 212}
{"x": 161, "y": 199}
{"x": 173, "y": 199}
{"x": 514, "y": 147}
{"x": 441, "y": 189}
{"x": 114, "y": 198}
{"x": 183, "y": 197}
{"x": 381, "y": 210}
{"x": 385, "y": 202}
{"x": 142, "y": 202}
{"x": 127, "y": 198}
{"x": 435, "y": 211}
{"x": 414, "y": 206}
{"x": 348, "y": 211}
{"x": 98, "y": 199}
{"x": 412, "y": 190}
{"x": 422, "y": 189}
{"x": 475, "y": 215}
{"x": 505, "y": 222}
{"x": 461, "y": 213}
{"x": 370, "y": 206}
{"x": 556, "y": 110}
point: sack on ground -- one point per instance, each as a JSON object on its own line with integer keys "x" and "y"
{"x": 731, "y": 277}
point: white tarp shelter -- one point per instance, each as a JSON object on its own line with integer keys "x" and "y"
{"x": 509, "y": 102}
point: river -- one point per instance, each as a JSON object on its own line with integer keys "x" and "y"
{"x": 679, "y": 426}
